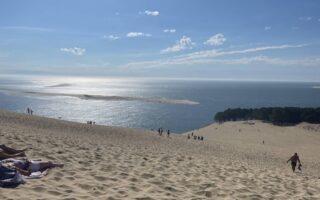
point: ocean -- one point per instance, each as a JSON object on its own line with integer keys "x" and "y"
{"x": 179, "y": 105}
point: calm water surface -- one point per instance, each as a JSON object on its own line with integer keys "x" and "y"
{"x": 178, "y": 105}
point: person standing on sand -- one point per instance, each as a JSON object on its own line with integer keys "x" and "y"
{"x": 168, "y": 133}
{"x": 294, "y": 159}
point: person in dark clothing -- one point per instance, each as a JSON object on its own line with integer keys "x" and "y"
{"x": 294, "y": 159}
{"x": 7, "y": 152}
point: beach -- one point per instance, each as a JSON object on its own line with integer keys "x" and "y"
{"x": 236, "y": 160}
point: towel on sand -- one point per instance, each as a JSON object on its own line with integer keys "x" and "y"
{"x": 36, "y": 175}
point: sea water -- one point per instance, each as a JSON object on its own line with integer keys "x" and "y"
{"x": 176, "y": 104}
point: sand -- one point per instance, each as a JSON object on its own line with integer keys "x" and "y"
{"x": 118, "y": 163}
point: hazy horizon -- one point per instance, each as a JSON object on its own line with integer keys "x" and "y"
{"x": 215, "y": 40}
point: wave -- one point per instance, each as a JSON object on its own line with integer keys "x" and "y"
{"x": 316, "y": 87}
{"x": 108, "y": 98}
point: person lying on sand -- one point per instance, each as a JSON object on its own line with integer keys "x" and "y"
{"x": 294, "y": 159}
{"x": 26, "y": 167}
{"x": 7, "y": 152}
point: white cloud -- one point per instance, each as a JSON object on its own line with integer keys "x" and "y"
{"x": 273, "y": 61}
{"x": 267, "y": 28}
{"x": 208, "y": 57}
{"x": 306, "y": 18}
{"x": 308, "y": 62}
{"x": 169, "y": 30}
{"x": 216, "y": 40}
{"x": 216, "y": 53}
{"x": 111, "y": 37}
{"x": 182, "y": 44}
{"x": 28, "y": 28}
{"x": 75, "y": 51}
{"x": 151, "y": 13}
{"x": 138, "y": 34}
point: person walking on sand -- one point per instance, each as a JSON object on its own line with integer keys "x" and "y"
{"x": 168, "y": 133}
{"x": 294, "y": 159}
{"x": 28, "y": 111}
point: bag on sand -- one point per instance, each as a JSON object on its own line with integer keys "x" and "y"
{"x": 299, "y": 167}
{"x": 9, "y": 177}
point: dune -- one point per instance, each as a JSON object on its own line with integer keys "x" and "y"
{"x": 104, "y": 162}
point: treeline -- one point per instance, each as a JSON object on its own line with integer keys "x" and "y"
{"x": 275, "y": 115}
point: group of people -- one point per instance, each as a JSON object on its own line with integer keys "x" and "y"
{"x": 195, "y": 137}
{"x": 14, "y": 163}
{"x": 91, "y": 122}
{"x": 160, "y": 132}
{"x": 29, "y": 111}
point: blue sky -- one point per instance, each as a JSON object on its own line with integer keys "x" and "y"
{"x": 215, "y": 39}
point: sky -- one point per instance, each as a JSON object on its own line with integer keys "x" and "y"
{"x": 267, "y": 40}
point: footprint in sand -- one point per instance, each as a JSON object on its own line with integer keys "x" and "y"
{"x": 39, "y": 189}
{"x": 55, "y": 193}
{"x": 146, "y": 175}
{"x": 85, "y": 186}
{"x": 71, "y": 178}
{"x": 133, "y": 179}
{"x": 134, "y": 188}
{"x": 144, "y": 198}
{"x": 100, "y": 178}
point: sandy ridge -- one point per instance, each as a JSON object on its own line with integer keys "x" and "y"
{"x": 119, "y": 163}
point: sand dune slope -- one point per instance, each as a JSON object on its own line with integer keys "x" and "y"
{"x": 117, "y": 163}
